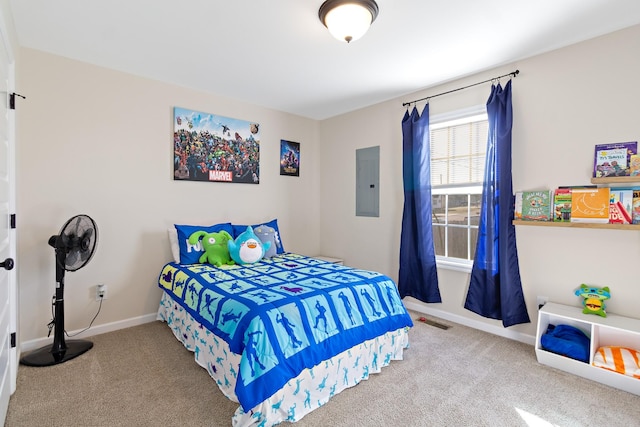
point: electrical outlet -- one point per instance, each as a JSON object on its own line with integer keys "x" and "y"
{"x": 542, "y": 301}
{"x": 101, "y": 292}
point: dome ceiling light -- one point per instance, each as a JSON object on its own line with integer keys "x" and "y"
{"x": 348, "y": 20}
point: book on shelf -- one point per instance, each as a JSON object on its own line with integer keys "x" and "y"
{"x": 634, "y": 165}
{"x": 562, "y": 205}
{"x": 537, "y": 205}
{"x": 613, "y": 159}
{"x": 635, "y": 209}
{"x": 590, "y": 205}
{"x": 620, "y": 205}
{"x": 517, "y": 208}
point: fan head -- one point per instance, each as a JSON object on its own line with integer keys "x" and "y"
{"x": 76, "y": 241}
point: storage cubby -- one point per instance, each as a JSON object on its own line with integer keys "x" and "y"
{"x": 611, "y": 330}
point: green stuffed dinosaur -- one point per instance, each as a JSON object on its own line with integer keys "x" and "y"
{"x": 216, "y": 251}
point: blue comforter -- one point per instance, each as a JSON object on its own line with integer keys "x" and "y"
{"x": 285, "y": 314}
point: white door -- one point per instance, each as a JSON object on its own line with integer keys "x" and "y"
{"x": 8, "y": 303}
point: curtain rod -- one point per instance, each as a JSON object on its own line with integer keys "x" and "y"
{"x": 513, "y": 73}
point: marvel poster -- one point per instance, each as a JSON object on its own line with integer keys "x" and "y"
{"x": 289, "y": 158}
{"x": 214, "y": 148}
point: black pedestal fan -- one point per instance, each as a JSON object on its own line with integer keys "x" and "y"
{"x": 74, "y": 247}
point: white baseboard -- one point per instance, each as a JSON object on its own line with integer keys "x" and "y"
{"x": 495, "y": 330}
{"x": 127, "y": 323}
{"x": 94, "y": 330}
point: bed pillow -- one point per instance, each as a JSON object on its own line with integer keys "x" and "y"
{"x": 173, "y": 241}
{"x": 190, "y": 254}
{"x": 239, "y": 229}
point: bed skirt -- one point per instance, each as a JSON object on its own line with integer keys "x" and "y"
{"x": 311, "y": 389}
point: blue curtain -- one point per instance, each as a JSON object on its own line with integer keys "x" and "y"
{"x": 495, "y": 289}
{"x": 418, "y": 276}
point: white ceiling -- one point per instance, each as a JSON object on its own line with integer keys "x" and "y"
{"x": 276, "y": 53}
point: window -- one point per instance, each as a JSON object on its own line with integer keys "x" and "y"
{"x": 458, "y": 148}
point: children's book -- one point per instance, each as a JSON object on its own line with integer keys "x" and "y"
{"x": 590, "y": 205}
{"x": 537, "y": 205}
{"x": 634, "y": 165}
{"x": 635, "y": 214}
{"x": 517, "y": 210}
{"x": 613, "y": 159}
{"x": 620, "y": 205}
{"x": 562, "y": 205}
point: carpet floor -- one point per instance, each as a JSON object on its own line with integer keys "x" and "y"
{"x": 143, "y": 376}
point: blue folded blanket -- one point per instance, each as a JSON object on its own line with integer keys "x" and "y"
{"x": 566, "y": 340}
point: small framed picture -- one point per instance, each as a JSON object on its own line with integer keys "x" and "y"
{"x": 289, "y": 158}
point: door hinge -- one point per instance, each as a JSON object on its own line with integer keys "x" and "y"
{"x": 12, "y": 221}
{"x": 13, "y": 339}
{"x": 12, "y": 100}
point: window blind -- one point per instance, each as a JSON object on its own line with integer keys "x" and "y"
{"x": 458, "y": 153}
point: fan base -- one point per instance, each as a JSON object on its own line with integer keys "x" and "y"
{"x": 45, "y": 357}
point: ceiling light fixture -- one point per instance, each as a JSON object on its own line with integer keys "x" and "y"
{"x": 348, "y": 20}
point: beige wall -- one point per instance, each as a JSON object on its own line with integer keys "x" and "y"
{"x": 564, "y": 103}
{"x": 100, "y": 142}
{"x": 96, "y": 141}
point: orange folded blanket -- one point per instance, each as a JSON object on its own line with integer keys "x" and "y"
{"x": 618, "y": 359}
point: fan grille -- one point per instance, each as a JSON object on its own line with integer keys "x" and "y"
{"x": 78, "y": 238}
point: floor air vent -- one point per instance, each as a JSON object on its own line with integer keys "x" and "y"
{"x": 433, "y": 323}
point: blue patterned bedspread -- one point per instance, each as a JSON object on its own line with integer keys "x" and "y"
{"x": 285, "y": 314}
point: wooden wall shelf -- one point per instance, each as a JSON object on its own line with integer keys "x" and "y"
{"x": 629, "y": 180}
{"x": 578, "y": 225}
{"x": 616, "y": 180}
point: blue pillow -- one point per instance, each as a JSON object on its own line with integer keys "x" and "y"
{"x": 239, "y": 229}
{"x": 190, "y": 254}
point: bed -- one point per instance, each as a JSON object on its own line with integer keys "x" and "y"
{"x": 283, "y": 335}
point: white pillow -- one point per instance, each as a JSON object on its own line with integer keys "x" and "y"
{"x": 173, "y": 241}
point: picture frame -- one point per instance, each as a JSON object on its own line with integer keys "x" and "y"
{"x": 289, "y": 158}
{"x": 213, "y": 148}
